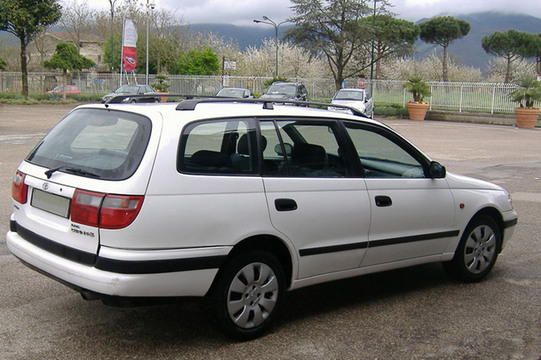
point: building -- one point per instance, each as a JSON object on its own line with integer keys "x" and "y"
{"x": 43, "y": 48}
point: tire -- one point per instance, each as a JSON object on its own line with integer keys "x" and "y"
{"x": 247, "y": 294}
{"x": 477, "y": 251}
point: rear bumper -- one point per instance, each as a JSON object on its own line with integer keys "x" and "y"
{"x": 127, "y": 273}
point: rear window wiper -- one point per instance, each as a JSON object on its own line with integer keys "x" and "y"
{"x": 50, "y": 172}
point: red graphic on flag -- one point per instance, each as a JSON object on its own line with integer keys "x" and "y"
{"x": 130, "y": 58}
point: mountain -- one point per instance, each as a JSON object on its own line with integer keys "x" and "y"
{"x": 468, "y": 50}
{"x": 245, "y": 36}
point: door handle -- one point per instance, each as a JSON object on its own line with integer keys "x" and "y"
{"x": 383, "y": 201}
{"x": 285, "y": 204}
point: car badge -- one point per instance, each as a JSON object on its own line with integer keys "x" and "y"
{"x": 45, "y": 186}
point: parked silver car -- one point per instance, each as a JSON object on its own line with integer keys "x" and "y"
{"x": 240, "y": 93}
{"x": 357, "y": 98}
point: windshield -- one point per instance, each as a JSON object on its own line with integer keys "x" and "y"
{"x": 282, "y": 89}
{"x": 231, "y": 92}
{"x": 349, "y": 95}
{"x": 95, "y": 143}
{"x": 127, "y": 89}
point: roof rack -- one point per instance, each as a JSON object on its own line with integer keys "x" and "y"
{"x": 190, "y": 102}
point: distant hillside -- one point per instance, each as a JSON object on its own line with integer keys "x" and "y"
{"x": 468, "y": 50}
{"x": 245, "y": 36}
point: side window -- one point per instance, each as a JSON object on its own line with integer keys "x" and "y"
{"x": 381, "y": 157}
{"x": 302, "y": 149}
{"x": 219, "y": 147}
{"x": 274, "y": 156}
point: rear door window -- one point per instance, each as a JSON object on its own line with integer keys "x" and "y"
{"x": 95, "y": 143}
{"x": 219, "y": 147}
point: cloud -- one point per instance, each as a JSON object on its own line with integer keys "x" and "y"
{"x": 417, "y": 9}
{"x": 243, "y": 12}
{"x": 236, "y": 12}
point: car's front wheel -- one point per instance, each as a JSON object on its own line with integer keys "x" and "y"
{"x": 477, "y": 251}
{"x": 247, "y": 293}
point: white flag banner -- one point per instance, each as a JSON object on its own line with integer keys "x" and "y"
{"x": 130, "y": 34}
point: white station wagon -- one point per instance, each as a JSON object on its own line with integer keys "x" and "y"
{"x": 238, "y": 201}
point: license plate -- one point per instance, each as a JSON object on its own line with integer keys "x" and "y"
{"x": 52, "y": 203}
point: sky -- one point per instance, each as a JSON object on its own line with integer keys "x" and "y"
{"x": 243, "y": 12}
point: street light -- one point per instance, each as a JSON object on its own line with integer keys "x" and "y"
{"x": 268, "y": 21}
{"x": 150, "y": 5}
{"x": 372, "y": 55}
{"x": 112, "y": 3}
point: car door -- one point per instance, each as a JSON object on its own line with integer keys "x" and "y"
{"x": 412, "y": 213}
{"x": 312, "y": 199}
{"x": 369, "y": 105}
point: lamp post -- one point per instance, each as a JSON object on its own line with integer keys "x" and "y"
{"x": 372, "y": 53}
{"x": 112, "y": 3}
{"x": 268, "y": 21}
{"x": 150, "y": 5}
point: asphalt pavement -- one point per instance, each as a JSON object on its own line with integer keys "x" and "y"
{"x": 414, "y": 313}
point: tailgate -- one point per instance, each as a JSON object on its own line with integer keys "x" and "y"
{"x": 45, "y": 222}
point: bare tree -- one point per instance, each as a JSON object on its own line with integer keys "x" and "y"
{"x": 77, "y": 20}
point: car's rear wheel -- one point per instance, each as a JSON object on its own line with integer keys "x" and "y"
{"x": 477, "y": 251}
{"x": 247, "y": 293}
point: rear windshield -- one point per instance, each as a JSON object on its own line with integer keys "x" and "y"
{"x": 96, "y": 143}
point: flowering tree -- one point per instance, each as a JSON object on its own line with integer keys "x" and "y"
{"x": 295, "y": 62}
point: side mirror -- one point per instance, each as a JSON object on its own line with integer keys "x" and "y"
{"x": 436, "y": 170}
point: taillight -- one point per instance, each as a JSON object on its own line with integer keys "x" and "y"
{"x": 19, "y": 189}
{"x": 119, "y": 211}
{"x": 85, "y": 207}
{"x": 104, "y": 211}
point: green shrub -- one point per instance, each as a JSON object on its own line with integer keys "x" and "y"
{"x": 389, "y": 111}
{"x": 403, "y": 112}
{"x": 379, "y": 110}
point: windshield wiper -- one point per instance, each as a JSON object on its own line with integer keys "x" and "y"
{"x": 50, "y": 172}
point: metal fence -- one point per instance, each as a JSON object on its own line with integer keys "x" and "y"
{"x": 448, "y": 96}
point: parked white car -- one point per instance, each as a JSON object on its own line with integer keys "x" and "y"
{"x": 238, "y": 201}
{"x": 357, "y": 98}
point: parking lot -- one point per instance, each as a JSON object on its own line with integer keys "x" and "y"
{"x": 415, "y": 313}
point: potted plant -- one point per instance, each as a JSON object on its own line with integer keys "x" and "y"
{"x": 528, "y": 91}
{"x": 162, "y": 85}
{"x": 419, "y": 89}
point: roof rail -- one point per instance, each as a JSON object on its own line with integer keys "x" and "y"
{"x": 190, "y": 102}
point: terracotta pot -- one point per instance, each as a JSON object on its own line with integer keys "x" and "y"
{"x": 163, "y": 98}
{"x": 417, "y": 111}
{"x": 526, "y": 118}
